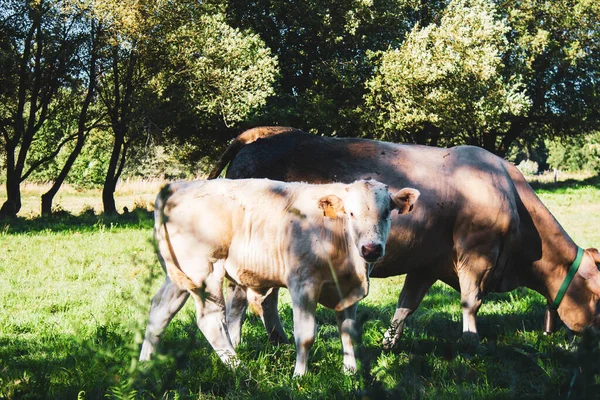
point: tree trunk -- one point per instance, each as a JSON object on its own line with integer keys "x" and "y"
{"x": 489, "y": 141}
{"x": 110, "y": 183}
{"x": 119, "y": 114}
{"x": 517, "y": 127}
{"x": 12, "y": 205}
{"x": 48, "y": 197}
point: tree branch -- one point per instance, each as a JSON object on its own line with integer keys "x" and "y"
{"x": 49, "y": 157}
{"x": 5, "y": 133}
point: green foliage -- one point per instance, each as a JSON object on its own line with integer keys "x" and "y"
{"x": 321, "y": 47}
{"x": 448, "y": 76}
{"x": 555, "y": 47}
{"x": 221, "y": 70}
{"x": 165, "y": 162}
{"x": 575, "y": 154}
{"x": 90, "y": 167}
{"x": 528, "y": 167}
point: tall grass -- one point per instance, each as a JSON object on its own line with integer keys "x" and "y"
{"x": 76, "y": 290}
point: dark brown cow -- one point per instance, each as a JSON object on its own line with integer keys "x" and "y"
{"x": 479, "y": 227}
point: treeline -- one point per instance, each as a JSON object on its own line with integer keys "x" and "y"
{"x": 94, "y": 89}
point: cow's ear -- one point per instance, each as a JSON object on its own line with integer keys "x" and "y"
{"x": 588, "y": 269}
{"x": 331, "y": 205}
{"x": 405, "y": 199}
{"x": 595, "y": 254}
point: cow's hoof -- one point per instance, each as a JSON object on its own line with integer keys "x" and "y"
{"x": 469, "y": 342}
{"x": 350, "y": 369}
{"x": 390, "y": 341}
{"x": 276, "y": 339}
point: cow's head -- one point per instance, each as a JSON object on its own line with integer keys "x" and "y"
{"x": 581, "y": 304}
{"x": 367, "y": 207}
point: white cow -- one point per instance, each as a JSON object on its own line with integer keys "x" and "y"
{"x": 319, "y": 241}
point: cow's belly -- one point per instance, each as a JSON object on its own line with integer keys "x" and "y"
{"x": 432, "y": 250}
{"x": 256, "y": 268}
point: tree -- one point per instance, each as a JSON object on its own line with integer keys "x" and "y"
{"x": 80, "y": 112}
{"x": 184, "y": 54}
{"x": 322, "y": 47}
{"x": 555, "y": 47}
{"x": 37, "y": 45}
{"x": 446, "y": 84}
{"x": 481, "y": 79}
{"x": 575, "y": 153}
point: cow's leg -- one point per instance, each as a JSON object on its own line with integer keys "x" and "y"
{"x": 304, "y": 306}
{"x": 414, "y": 289}
{"x": 210, "y": 309}
{"x": 166, "y": 303}
{"x": 470, "y": 300}
{"x": 236, "y": 311}
{"x": 346, "y": 321}
{"x": 266, "y": 306}
{"x": 472, "y": 270}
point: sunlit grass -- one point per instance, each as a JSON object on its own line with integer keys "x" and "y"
{"x": 130, "y": 193}
{"x": 76, "y": 293}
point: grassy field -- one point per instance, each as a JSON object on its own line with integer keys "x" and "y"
{"x": 75, "y": 292}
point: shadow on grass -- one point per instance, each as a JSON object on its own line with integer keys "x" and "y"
{"x": 513, "y": 359}
{"x": 429, "y": 362}
{"x": 566, "y": 184}
{"x": 85, "y": 222}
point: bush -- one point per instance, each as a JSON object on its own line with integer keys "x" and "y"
{"x": 575, "y": 154}
{"x": 528, "y": 167}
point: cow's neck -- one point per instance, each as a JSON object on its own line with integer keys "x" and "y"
{"x": 550, "y": 262}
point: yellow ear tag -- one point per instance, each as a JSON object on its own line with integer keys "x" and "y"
{"x": 329, "y": 212}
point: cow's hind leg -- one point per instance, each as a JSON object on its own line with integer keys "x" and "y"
{"x": 414, "y": 289}
{"x": 166, "y": 303}
{"x": 472, "y": 271}
{"x": 210, "y": 309}
{"x": 346, "y": 321}
{"x": 266, "y": 306}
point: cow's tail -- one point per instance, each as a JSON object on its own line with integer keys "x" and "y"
{"x": 244, "y": 138}
{"x": 162, "y": 238}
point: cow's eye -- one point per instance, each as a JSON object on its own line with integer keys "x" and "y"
{"x": 352, "y": 214}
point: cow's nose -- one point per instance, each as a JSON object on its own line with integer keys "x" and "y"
{"x": 371, "y": 252}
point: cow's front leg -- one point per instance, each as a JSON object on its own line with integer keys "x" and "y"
{"x": 166, "y": 303}
{"x": 304, "y": 305}
{"x": 265, "y": 305}
{"x": 236, "y": 311}
{"x": 346, "y": 321}
{"x": 414, "y": 289}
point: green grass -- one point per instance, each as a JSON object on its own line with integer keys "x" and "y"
{"x": 75, "y": 293}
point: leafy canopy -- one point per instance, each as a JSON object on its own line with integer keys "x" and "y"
{"x": 448, "y": 75}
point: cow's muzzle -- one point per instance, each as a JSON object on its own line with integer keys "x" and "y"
{"x": 371, "y": 252}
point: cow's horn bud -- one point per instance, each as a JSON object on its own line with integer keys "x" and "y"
{"x": 550, "y": 321}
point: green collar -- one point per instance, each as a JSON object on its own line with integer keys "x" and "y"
{"x": 568, "y": 279}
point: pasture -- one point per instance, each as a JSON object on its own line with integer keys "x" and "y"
{"x": 76, "y": 290}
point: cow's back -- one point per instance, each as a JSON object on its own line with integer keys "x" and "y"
{"x": 262, "y": 228}
{"x": 462, "y": 185}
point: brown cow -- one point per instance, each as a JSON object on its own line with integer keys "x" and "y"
{"x": 480, "y": 227}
